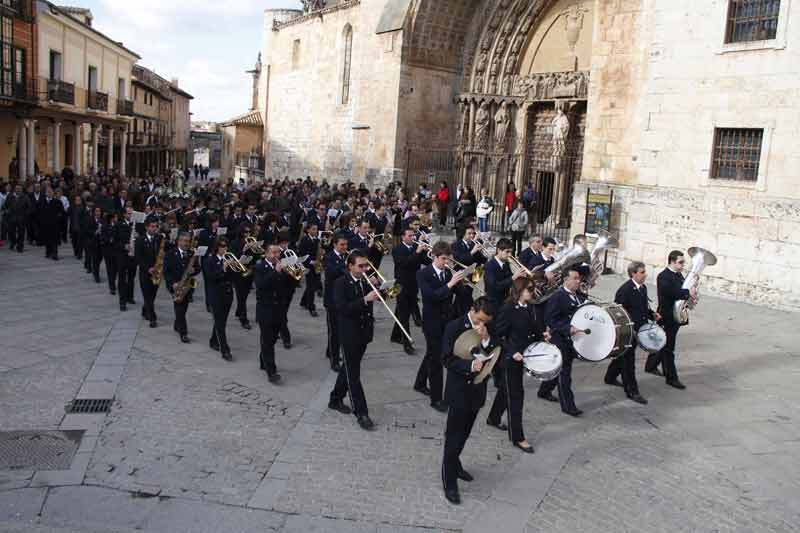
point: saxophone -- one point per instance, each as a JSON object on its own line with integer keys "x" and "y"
{"x": 187, "y": 282}
{"x": 320, "y": 256}
{"x": 158, "y": 267}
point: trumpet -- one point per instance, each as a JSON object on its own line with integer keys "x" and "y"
{"x": 488, "y": 246}
{"x": 379, "y": 244}
{"x": 425, "y": 245}
{"x": 254, "y": 246}
{"x": 231, "y": 262}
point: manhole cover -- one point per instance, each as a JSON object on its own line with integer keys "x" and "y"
{"x": 89, "y": 406}
{"x": 38, "y": 450}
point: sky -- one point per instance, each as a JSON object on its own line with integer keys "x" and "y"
{"x": 207, "y": 44}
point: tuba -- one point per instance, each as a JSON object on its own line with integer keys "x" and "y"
{"x": 605, "y": 241}
{"x": 545, "y": 289}
{"x": 701, "y": 258}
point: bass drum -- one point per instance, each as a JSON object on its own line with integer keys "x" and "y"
{"x": 609, "y": 331}
{"x": 542, "y": 361}
{"x": 652, "y": 337}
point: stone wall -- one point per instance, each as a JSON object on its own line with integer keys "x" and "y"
{"x": 662, "y": 81}
{"x": 309, "y": 131}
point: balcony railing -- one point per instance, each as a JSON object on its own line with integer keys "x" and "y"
{"x": 24, "y": 91}
{"x": 61, "y": 91}
{"x": 98, "y": 101}
{"x": 124, "y": 107}
{"x": 17, "y": 8}
{"x": 250, "y": 160}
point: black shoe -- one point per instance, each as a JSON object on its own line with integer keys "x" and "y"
{"x": 439, "y": 406}
{"x": 227, "y": 356}
{"x": 417, "y": 321}
{"x": 246, "y": 325}
{"x": 366, "y": 423}
{"x": 274, "y": 378}
{"x": 498, "y": 425}
{"x": 396, "y": 340}
{"x": 132, "y": 301}
{"x": 574, "y": 412}
{"x": 185, "y": 339}
{"x": 314, "y": 313}
{"x": 208, "y": 309}
{"x": 549, "y": 397}
{"x": 54, "y": 258}
{"x": 654, "y": 371}
{"x": 113, "y": 292}
{"x": 677, "y": 384}
{"x": 529, "y": 449}
{"x": 287, "y": 345}
{"x": 463, "y": 475}
{"x": 409, "y": 349}
{"x": 213, "y": 346}
{"x": 153, "y": 324}
{"x": 97, "y": 279}
{"x": 123, "y": 307}
{"x": 638, "y": 398}
{"x": 453, "y": 496}
{"x": 422, "y": 390}
{"x": 614, "y": 382}
{"x": 336, "y": 367}
{"x": 340, "y": 406}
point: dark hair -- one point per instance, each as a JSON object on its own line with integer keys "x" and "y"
{"x": 673, "y": 256}
{"x": 548, "y": 241}
{"x": 352, "y": 256}
{"x": 572, "y": 268}
{"x": 310, "y": 225}
{"x": 339, "y": 236}
{"x": 282, "y": 237}
{"x": 441, "y": 248}
{"x": 483, "y": 304}
{"x": 245, "y": 227}
{"x": 517, "y": 288}
{"x": 220, "y": 241}
{"x": 504, "y": 244}
{"x": 184, "y": 234}
{"x": 635, "y": 267}
{"x": 578, "y": 238}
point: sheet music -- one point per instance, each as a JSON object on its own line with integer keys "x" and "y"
{"x": 222, "y": 231}
{"x": 201, "y": 250}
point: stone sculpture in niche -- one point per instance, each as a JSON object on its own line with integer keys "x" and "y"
{"x": 482, "y": 124}
{"x": 501, "y": 120}
{"x": 560, "y": 131}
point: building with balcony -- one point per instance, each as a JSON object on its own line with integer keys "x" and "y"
{"x": 17, "y": 80}
{"x": 83, "y": 78}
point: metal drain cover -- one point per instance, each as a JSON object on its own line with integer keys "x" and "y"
{"x": 38, "y": 450}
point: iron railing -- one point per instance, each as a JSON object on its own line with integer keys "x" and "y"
{"x": 98, "y": 101}
{"x": 124, "y": 107}
{"x": 61, "y": 91}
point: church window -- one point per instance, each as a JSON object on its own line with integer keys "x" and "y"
{"x": 752, "y": 20}
{"x": 737, "y": 154}
{"x": 348, "y": 53}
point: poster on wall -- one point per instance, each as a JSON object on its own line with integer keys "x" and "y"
{"x": 598, "y": 211}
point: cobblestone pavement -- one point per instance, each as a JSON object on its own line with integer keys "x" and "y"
{"x": 193, "y": 443}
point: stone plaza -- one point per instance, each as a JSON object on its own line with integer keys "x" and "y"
{"x": 192, "y": 443}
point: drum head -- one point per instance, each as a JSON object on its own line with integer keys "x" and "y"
{"x": 598, "y": 344}
{"x": 542, "y": 360}
{"x": 652, "y": 337}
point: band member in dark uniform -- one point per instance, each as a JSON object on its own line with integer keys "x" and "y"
{"x": 670, "y": 289}
{"x": 437, "y": 284}
{"x": 310, "y": 246}
{"x": 90, "y": 234}
{"x": 360, "y": 240}
{"x": 175, "y": 264}
{"x": 335, "y": 267}
{"x": 379, "y": 222}
{"x": 467, "y": 252}
{"x": 408, "y": 258}
{"x": 463, "y": 397}
{"x": 541, "y": 261}
{"x": 108, "y": 248}
{"x": 516, "y": 324}
{"x": 50, "y": 214}
{"x": 532, "y": 253}
{"x": 220, "y": 290}
{"x": 269, "y": 277}
{"x": 288, "y": 289}
{"x": 499, "y": 277}
{"x": 353, "y": 298}
{"x": 632, "y": 296}
{"x": 123, "y": 255}
{"x": 243, "y": 284}
{"x": 207, "y": 237}
{"x": 560, "y": 308}
{"x": 147, "y": 249}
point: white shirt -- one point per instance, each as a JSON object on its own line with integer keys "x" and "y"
{"x": 636, "y": 284}
{"x": 499, "y": 262}
{"x": 484, "y": 343}
{"x": 439, "y": 273}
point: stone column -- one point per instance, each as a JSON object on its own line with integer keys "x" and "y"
{"x": 123, "y": 146}
{"x": 31, "y": 148}
{"x": 57, "y": 147}
{"x": 22, "y": 163}
{"x": 110, "y": 161}
{"x": 95, "y": 135}
{"x": 77, "y": 149}
{"x": 471, "y": 123}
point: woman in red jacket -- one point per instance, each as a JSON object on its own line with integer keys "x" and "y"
{"x": 443, "y": 199}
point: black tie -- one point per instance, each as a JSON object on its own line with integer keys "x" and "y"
{"x": 441, "y": 276}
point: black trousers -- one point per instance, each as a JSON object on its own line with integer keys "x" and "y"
{"x": 220, "y": 309}
{"x": 242, "y": 288}
{"x": 516, "y": 240}
{"x": 92, "y": 260}
{"x": 149, "y": 292}
{"x": 269, "y": 336}
{"x": 430, "y": 369}
{"x": 463, "y": 300}
{"x": 563, "y": 381}
{"x": 77, "y": 243}
{"x": 349, "y": 379}
{"x": 406, "y": 301}
{"x": 51, "y": 241}
{"x": 33, "y": 231}
{"x": 510, "y": 396}
{"x": 285, "y": 334}
{"x": 180, "y": 309}
{"x": 666, "y": 357}
{"x": 313, "y": 284}
{"x": 16, "y": 235}
{"x": 111, "y": 266}
{"x": 126, "y": 273}
{"x": 625, "y": 365}
{"x": 333, "y": 351}
{"x": 456, "y": 432}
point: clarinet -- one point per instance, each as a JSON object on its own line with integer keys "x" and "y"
{"x": 131, "y": 243}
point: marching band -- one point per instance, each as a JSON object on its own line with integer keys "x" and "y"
{"x": 484, "y": 310}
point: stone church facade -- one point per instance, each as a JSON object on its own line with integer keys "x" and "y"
{"x": 686, "y": 110}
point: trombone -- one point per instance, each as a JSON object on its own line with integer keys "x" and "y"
{"x": 392, "y": 286}
{"x": 473, "y": 274}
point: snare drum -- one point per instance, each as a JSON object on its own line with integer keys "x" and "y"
{"x": 609, "y": 331}
{"x": 651, "y": 337}
{"x": 542, "y": 361}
